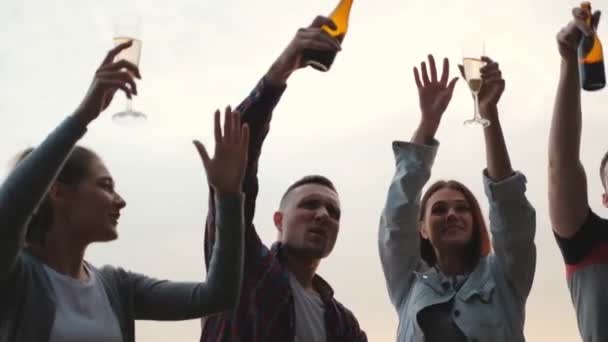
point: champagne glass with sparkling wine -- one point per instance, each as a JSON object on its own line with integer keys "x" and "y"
{"x": 128, "y": 28}
{"x": 471, "y": 62}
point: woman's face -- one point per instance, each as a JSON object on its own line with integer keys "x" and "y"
{"x": 90, "y": 209}
{"x": 448, "y": 220}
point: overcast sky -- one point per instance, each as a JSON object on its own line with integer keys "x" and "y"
{"x": 201, "y": 55}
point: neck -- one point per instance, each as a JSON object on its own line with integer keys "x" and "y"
{"x": 63, "y": 254}
{"x": 453, "y": 262}
{"x": 304, "y": 269}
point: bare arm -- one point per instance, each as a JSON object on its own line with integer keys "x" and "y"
{"x": 568, "y": 199}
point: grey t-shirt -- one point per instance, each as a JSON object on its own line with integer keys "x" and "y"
{"x": 309, "y": 309}
{"x": 83, "y": 311}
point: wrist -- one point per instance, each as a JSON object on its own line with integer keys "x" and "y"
{"x": 278, "y": 74}
{"x": 227, "y": 192}
{"x": 489, "y": 111}
{"x": 82, "y": 116}
{"x": 425, "y": 133}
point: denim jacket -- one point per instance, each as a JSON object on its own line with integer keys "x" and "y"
{"x": 490, "y": 305}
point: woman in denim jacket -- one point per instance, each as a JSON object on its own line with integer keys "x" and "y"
{"x": 442, "y": 275}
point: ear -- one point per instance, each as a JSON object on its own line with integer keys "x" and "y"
{"x": 57, "y": 193}
{"x": 605, "y": 200}
{"x": 423, "y": 231}
{"x": 278, "y": 221}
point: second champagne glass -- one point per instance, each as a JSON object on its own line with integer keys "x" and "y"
{"x": 472, "y": 64}
{"x": 127, "y": 28}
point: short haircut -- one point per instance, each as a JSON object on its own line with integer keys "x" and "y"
{"x": 310, "y": 179}
{"x": 603, "y": 168}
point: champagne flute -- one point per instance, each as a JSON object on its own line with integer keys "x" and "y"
{"x": 127, "y": 28}
{"x": 472, "y": 64}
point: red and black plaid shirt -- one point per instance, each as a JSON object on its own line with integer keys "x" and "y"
{"x": 266, "y": 311}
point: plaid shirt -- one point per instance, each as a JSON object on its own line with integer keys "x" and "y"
{"x": 266, "y": 310}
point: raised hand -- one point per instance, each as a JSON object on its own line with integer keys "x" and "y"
{"x": 492, "y": 87}
{"x": 312, "y": 37}
{"x": 225, "y": 171}
{"x": 109, "y": 77}
{"x": 434, "y": 94}
{"x": 569, "y": 37}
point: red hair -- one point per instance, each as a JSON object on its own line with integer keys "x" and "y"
{"x": 480, "y": 243}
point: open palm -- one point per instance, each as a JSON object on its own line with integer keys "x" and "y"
{"x": 225, "y": 171}
{"x": 434, "y": 94}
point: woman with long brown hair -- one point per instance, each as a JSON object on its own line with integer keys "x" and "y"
{"x": 444, "y": 279}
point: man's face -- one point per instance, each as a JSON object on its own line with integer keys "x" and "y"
{"x": 309, "y": 221}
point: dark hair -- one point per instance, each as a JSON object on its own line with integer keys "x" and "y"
{"x": 603, "y": 167}
{"x": 310, "y": 179}
{"x": 73, "y": 172}
{"x": 480, "y": 244}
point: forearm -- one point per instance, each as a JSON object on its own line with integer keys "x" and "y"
{"x": 513, "y": 226}
{"x": 568, "y": 203}
{"x": 256, "y": 110}
{"x": 497, "y": 155}
{"x": 565, "y": 134}
{"x": 225, "y": 272}
{"x": 27, "y": 184}
{"x": 398, "y": 237}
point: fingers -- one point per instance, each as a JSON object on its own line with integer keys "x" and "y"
{"x": 425, "y": 76}
{"x": 115, "y": 51}
{"x": 323, "y": 21}
{"x": 445, "y": 72}
{"x": 317, "y": 39}
{"x": 113, "y": 85}
{"x": 236, "y": 128}
{"x": 122, "y": 64}
{"x": 569, "y": 36}
{"x": 217, "y": 127}
{"x": 228, "y": 125}
{"x": 202, "y": 152}
{"x": 417, "y": 78}
{"x": 595, "y": 19}
{"x": 461, "y": 68}
{"x": 452, "y": 85}
{"x": 120, "y": 76}
{"x": 433, "y": 68}
{"x": 580, "y": 20}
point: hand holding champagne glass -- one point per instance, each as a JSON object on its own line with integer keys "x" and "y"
{"x": 110, "y": 77}
{"x": 127, "y": 29}
{"x": 471, "y": 71}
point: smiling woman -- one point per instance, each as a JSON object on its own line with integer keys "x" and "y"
{"x": 60, "y": 198}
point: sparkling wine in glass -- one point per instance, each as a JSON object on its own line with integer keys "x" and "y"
{"x": 472, "y": 64}
{"x": 127, "y": 29}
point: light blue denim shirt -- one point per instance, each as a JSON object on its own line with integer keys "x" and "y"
{"x": 490, "y": 305}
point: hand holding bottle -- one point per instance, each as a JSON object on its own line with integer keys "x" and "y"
{"x": 570, "y": 36}
{"x": 312, "y": 37}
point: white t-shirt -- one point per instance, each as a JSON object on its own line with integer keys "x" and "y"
{"x": 82, "y": 311}
{"x": 310, "y": 314}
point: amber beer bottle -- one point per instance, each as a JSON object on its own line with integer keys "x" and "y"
{"x": 322, "y": 60}
{"x": 590, "y": 57}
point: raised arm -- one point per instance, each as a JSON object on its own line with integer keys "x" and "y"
{"x": 256, "y": 111}
{"x": 25, "y": 187}
{"x": 568, "y": 201}
{"x": 398, "y": 237}
{"x": 512, "y": 217}
{"x": 164, "y": 300}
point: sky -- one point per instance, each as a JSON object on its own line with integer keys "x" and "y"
{"x": 201, "y": 55}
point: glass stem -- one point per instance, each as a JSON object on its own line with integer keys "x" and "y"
{"x": 129, "y": 108}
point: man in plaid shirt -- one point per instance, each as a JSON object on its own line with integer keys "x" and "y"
{"x": 283, "y": 299}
